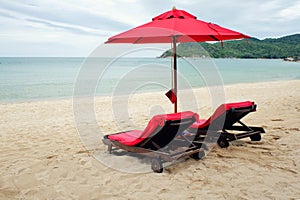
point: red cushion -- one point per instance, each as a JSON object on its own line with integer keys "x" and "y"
{"x": 129, "y": 138}
{"x": 201, "y": 123}
{"x": 134, "y": 137}
{"x": 243, "y": 104}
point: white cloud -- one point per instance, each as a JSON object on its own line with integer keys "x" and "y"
{"x": 292, "y": 12}
{"x": 75, "y": 27}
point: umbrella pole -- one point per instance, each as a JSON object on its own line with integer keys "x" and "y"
{"x": 175, "y": 73}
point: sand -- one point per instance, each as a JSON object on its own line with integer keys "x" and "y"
{"x": 42, "y": 155}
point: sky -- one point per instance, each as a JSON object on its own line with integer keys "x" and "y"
{"x": 76, "y": 27}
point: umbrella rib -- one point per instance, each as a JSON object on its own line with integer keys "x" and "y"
{"x": 217, "y": 33}
{"x": 110, "y": 40}
{"x": 139, "y": 39}
{"x": 213, "y": 37}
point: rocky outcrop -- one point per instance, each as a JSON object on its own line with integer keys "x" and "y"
{"x": 292, "y": 59}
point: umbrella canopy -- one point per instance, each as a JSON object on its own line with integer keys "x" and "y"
{"x": 175, "y": 26}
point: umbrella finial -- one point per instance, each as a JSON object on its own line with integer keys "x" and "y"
{"x": 174, "y": 8}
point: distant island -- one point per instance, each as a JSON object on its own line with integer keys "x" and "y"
{"x": 287, "y": 48}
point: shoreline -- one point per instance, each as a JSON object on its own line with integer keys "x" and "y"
{"x": 68, "y": 98}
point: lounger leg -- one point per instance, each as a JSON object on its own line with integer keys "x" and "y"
{"x": 156, "y": 165}
{"x": 255, "y": 137}
{"x": 109, "y": 148}
{"x": 198, "y": 155}
{"x": 223, "y": 142}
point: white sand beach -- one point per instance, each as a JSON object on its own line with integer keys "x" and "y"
{"x": 43, "y": 157}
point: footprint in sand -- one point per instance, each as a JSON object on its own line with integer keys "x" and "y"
{"x": 276, "y": 137}
{"x": 277, "y": 120}
{"x": 51, "y": 156}
{"x": 294, "y": 129}
{"x": 278, "y": 128}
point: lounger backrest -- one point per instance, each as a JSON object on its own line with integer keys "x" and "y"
{"x": 162, "y": 129}
{"x": 228, "y": 114}
{"x": 235, "y": 114}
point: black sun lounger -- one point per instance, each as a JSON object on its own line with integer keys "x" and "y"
{"x": 158, "y": 140}
{"x": 223, "y": 120}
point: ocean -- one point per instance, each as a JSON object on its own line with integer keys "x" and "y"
{"x": 28, "y": 79}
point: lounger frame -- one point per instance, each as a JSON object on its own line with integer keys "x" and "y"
{"x": 161, "y": 151}
{"x": 229, "y": 128}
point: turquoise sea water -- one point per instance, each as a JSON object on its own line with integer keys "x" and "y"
{"x": 27, "y": 79}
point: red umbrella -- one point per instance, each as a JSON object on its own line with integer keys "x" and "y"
{"x": 175, "y": 26}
